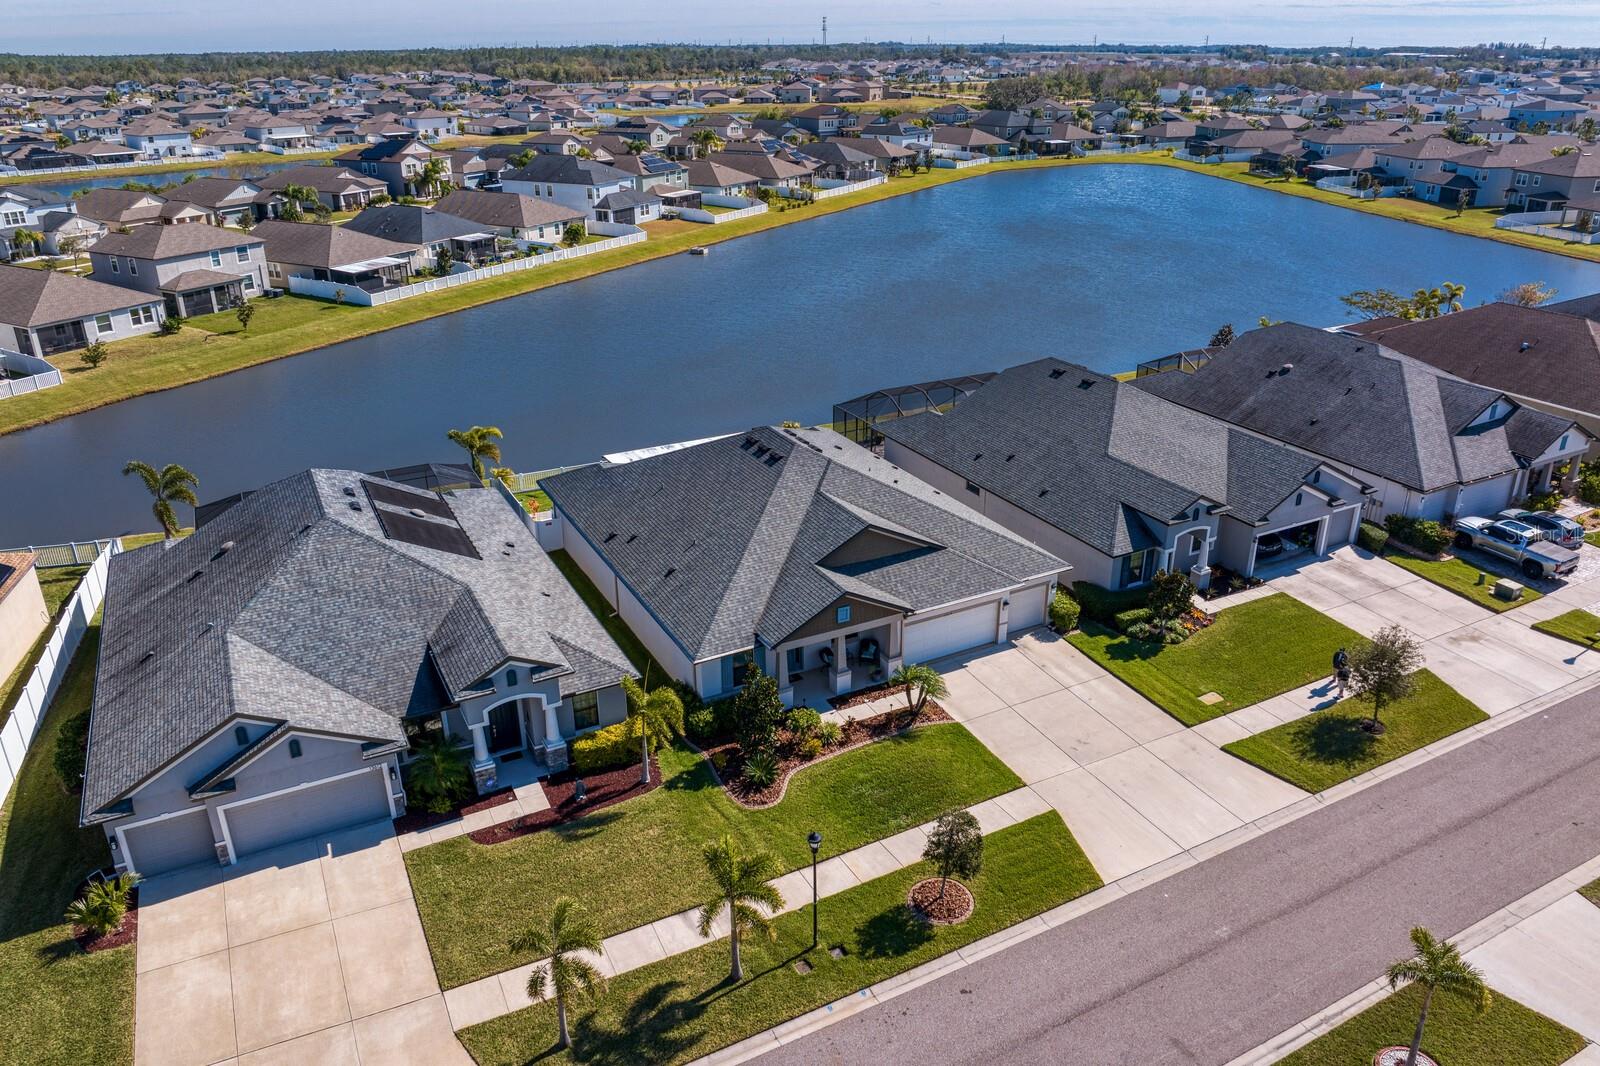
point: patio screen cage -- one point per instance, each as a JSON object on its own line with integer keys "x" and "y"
{"x": 859, "y": 418}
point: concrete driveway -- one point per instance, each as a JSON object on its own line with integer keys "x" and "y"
{"x": 310, "y": 953}
{"x": 1134, "y": 785}
{"x": 1550, "y": 961}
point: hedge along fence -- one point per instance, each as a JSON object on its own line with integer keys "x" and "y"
{"x": 35, "y": 697}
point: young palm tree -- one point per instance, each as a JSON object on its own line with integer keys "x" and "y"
{"x": 707, "y": 141}
{"x": 920, "y": 682}
{"x": 742, "y": 890}
{"x": 479, "y": 441}
{"x": 1437, "y": 967}
{"x": 439, "y": 772}
{"x": 657, "y": 715}
{"x": 171, "y": 483}
{"x": 102, "y": 908}
{"x": 565, "y": 972}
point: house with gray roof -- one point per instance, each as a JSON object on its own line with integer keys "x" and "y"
{"x": 266, "y": 678}
{"x": 1428, "y": 444}
{"x": 195, "y": 269}
{"x": 567, "y": 180}
{"x": 44, "y": 312}
{"x": 1120, "y": 483}
{"x": 434, "y": 231}
{"x": 513, "y": 215}
{"x": 795, "y": 551}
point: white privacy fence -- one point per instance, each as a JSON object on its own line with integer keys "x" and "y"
{"x": 20, "y": 729}
{"x": 828, "y": 188}
{"x": 32, "y": 373}
{"x": 737, "y": 206}
{"x": 351, "y": 294}
{"x": 72, "y": 553}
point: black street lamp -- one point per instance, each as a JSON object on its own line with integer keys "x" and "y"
{"x": 815, "y": 840}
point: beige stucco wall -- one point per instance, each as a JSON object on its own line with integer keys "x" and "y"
{"x": 22, "y": 618}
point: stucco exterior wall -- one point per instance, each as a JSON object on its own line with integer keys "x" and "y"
{"x": 23, "y": 617}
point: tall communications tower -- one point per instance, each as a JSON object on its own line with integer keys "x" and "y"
{"x": 824, "y": 31}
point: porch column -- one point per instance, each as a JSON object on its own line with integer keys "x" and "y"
{"x": 841, "y": 668}
{"x": 480, "y": 744}
{"x": 1569, "y": 483}
{"x": 555, "y": 746}
{"x": 484, "y": 775}
{"x": 1200, "y": 572}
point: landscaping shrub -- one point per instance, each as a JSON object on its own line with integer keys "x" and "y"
{"x": 439, "y": 776}
{"x": 1544, "y": 501}
{"x": 1420, "y": 533}
{"x": 103, "y": 905}
{"x": 1064, "y": 611}
{"x": 761, "y": 770}
{"x": 700, "y": 723}
{"x": 72, "y": 740}
{"x": 831, "y": 734}
{"x": 605, "y": 749}
{"x": 705, "y": 721}
{"x": 1126, "y": 620}
{"x": 757, "y": 713}
{"x": 1372, "y": 537}
{"x": 810, "y": 747}
{"x": 1171, "y": 594}
{"x": 1102, "y": 604}
{"x": 804, "y": 723}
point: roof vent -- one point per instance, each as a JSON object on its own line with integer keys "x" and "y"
{"x": 1524, "y": 346}
{"x": 417, "y": 512}
{"x": 1010, "y": 457}
{"x": 631, "y": 538}
{"x": 193, "y": 577}
{"x": 1286, "y": 367}
{"x": 349, "y": 490}
{"x": 223, "y": 549}
{"x": 1043, "y": 493}
{"x": 978, "y": 456}
{"x": 670, "y": 571}
{"x": 146, "y": 657}
{"x": 511, "y": 544}
{"x": 1057, "y": 372}
{"x": 608, "y": 538}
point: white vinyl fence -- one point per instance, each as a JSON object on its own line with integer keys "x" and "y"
{"x": 35, "y": 374}
{"x": 21, "y": 728}
{"x": 827, "y": 188}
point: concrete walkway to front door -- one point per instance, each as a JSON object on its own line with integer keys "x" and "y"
{"x": 309, "y": 953}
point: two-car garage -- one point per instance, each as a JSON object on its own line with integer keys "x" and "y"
{"x": 939, "y": 635}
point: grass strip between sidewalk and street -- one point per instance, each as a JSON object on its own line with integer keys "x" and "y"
{"x": 1459, "y": 576}
{"x": 1456, "y": 1035}
{"x": 1580, "y": 627}
{"x": 683, "y": 1007}
{"x": 1326, "y": 747}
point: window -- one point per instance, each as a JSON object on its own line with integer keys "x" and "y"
{"x": 133, "y": 267}
{"x": 102, "y": 323}
{"x": 116, "y": 267}
{"x": 1134, "y": 566}
{"x": 241, "y": 735}
{"x": 249, "y": 283}
{"x": 1299, "y": 498}
{"x": 1522, "y": 179}
{"x": 1564, "y": 437}
{"x": 511, "y": 679}
{"x": 585, "y": 710}
{"x": 973, "y": 489}
{"x": 1536, "y": 179}
{"x": 13, "y": 218}
{"x": 242, "y": 253}
{"x": 144, "y": 316}
{"x": 842, "y": 615}
{"x": 294, "y": 748}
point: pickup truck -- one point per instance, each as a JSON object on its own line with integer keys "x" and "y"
{"x": 1518, "y": 542}
{"x": 1558, "y": 529}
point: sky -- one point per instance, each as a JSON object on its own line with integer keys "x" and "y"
{"x": 125, "y": 26}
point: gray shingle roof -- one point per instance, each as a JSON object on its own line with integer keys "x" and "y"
{"x": 412, "y": 224}
{"x": 730, "y": 540}
{"x": 40, "y": 297}
{"x": 311, "y": 615}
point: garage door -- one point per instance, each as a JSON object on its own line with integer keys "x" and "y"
{"x": 156, "y": 847}
{"x": 1027, "y": 609}
{"x": 1483, "y": 499}
{"x": 265, "y": 823}
{"x": 933, "y": 638}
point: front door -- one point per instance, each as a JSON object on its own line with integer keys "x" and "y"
{"x": 505, "y": 731}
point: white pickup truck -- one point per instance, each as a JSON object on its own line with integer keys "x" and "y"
{"x": 1518, "y": 542}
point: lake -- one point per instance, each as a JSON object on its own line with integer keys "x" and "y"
{"x": 1101, "y": 265}
{"x": 71, "y": 185}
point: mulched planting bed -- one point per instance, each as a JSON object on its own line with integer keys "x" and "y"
{"x": 867, "y": 695}
{"x": 956, "y": 906}
{"x": 414, "y": 820}
{"x": 127, "y": 934}
{"x": 602, "y": 790}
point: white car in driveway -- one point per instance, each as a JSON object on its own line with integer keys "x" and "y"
{"x": 1519, "y": 543}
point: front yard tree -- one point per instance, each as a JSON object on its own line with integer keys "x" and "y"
{"x": 244, "y": 313}
{"x": 955, "y": 847}
{"x": 920, "y": 682}
{"x": 742, "y": 891}
{"x": 565, "y": 973}
{"x": 573, "y": 234}
{"x": 1171, "y": 595}
{"x": 657, "y": 715}
{"x": 757, "y": 713}
{"x": 1437, "y": 967}
{"x": 1383, "y": 671}
{"x": 171, "y": 484}
{"x": 479, "y": 443}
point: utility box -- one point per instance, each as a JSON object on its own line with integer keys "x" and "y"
{"x": 1506, "y": 589}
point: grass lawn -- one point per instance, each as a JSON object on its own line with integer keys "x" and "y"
{"x": 535, "y": 501}
{"x": 60, "y": 1005}
{"x": 1327, "y": 747}
{"x": 681, "y": 1008}
{"x": 1593, "y": 538}
{"x": 653, "y": 672}
{"x": 1456, "y": 1034}
{"x": 1580, "y": 627}
{"x": 646, "y": 852}
{"x": 1252, "y": 652}
{"x": 1591, "y": 892}
{"x": 57, "y": 583}
{"x": 1462, "y": 578}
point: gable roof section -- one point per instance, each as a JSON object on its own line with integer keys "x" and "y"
{"x": 509, "y": 209}
{"x": 313, "y": 244}
{"x": 169, "y": 242}
{"x": 40, "y": 297}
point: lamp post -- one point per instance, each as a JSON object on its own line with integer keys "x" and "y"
{"x": 815, "y": 840}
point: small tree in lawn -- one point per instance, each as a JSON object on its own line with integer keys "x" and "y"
{"x": 244, "y": 313}
{"x": 95, "y": 354}
{"x": 657, "y": 716}
{"x": 1222, "y": 337}
{"x": 247, "y": 222}
{"x": 565, "y": 973}
{"x": 1171, "y": 595}
{"x": 103, "y": 905}
{"x": 741, "y": 891}
{"x": 920, "y": 682}
{"x": 573, "y": 234}
{"x": 757, "y": 714}
{"x": 1384, "y": 671}
{"x": 955, "y": 847}
{"x": 1437, "y": 967}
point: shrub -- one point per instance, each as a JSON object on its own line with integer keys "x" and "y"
{"x": 831, "y": 734}
{"x": 1421, "y": 533}
{"x": 1171, "y": 594}
{"x": 1102, "y": 604}
{"x": 761, "y": 770}
{"x": 95, "y": 354}
{"x": 1126, "y": 620}
{"x": 101, "y": 908}
{"x": 700, "y": 723}
{"x": 1544, "y": 501}
{"x": 804, "y": 723}
{"x": 72, "y": 739}
{"x": 757, "y": 712}
{"x": 1372, "y": 537}
{"x": 1064, "y": 611}
{"x": 605, "y": 749}
{"x": 439, "y": 776}
{"x": 810, "y": 747}
{"x": 171, "y": 324}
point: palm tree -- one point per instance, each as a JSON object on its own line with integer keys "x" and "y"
{"x": 742, "y": 890}
{"x": 31, "y": 237}
{"x": 479, "y": 441}
{"x": 657, "y": 715}
{"x": 565, "y": 972}
{"x": 920, "y": 682}
{"x": 707, "y": 141}
{"x": 437, "y": 773}
{"x": 172, "y": 483}
{"x": 1437, "y": 967}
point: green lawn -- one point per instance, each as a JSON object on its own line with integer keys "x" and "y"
{"x": 534, "y": 501}
{"x": 60, "y": 1005}
{"x": 637, "y": 653}
{"x": 640, "y": 860}
{"x": 1580, "y": 627}
{"x": 1591, "y": 892}
{"x": 1462, "y": 578}
{"x": 1252, "y": 652}
{"x": 1327, "y": 747}
{"x": 1593, "y": 538}
{"x": 1456, "y": 1035}
{"x": 681, "y": 1008}
{"x": 57, "y": 583}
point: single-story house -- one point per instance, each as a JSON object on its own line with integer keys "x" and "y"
{"x": 796, "y": 551}
{"x": 43, "y": 312}
{"x": 334, "y": 253}
{"x": 720, "y": 179}
{"x": 120, "y": 207}
{"x": 522, "y": 218}
{"x": 228, "y": 199}
{"x": 196, "y": 270}
{"x": 265, "y": 679}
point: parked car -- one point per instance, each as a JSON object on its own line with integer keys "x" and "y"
{"x": 1558, "y": 529}
{"x": 1518, "y": 542}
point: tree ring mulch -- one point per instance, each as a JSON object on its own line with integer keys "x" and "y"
{"x": 956, "y": 906}
{"x": 124, "y": 934}
{"x": 1396, "y": 1056}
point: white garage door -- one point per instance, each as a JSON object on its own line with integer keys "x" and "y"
{"x": 1027, "y": 609}
{"x": 934, "y": 638}
{"x": 1483, "y": 499}
{"x": 255, "y": 825}
{"x": 170, "y": 844}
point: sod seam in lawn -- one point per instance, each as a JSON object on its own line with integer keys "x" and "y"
{"x": 1252, "y": 652}
{"x": 1326, "y": 747}
{"x": 1456, "y": 1035}
{"x": 641, "y": 860}
{"x": 681, "y": 1008}
{"x": 1580, "y": 627}
{"x": 1462, "y": 578}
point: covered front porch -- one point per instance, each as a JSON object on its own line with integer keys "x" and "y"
{"x": 515, "y": 742}
{"x": 816, "y": 668}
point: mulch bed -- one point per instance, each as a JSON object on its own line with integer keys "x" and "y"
{"x": 867, "y": 695}
{"x": 127, "y": 934}
{"x": 954, "y": 908}
{"x": 417, "y": 819}
{"x": 603, "y": 789}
